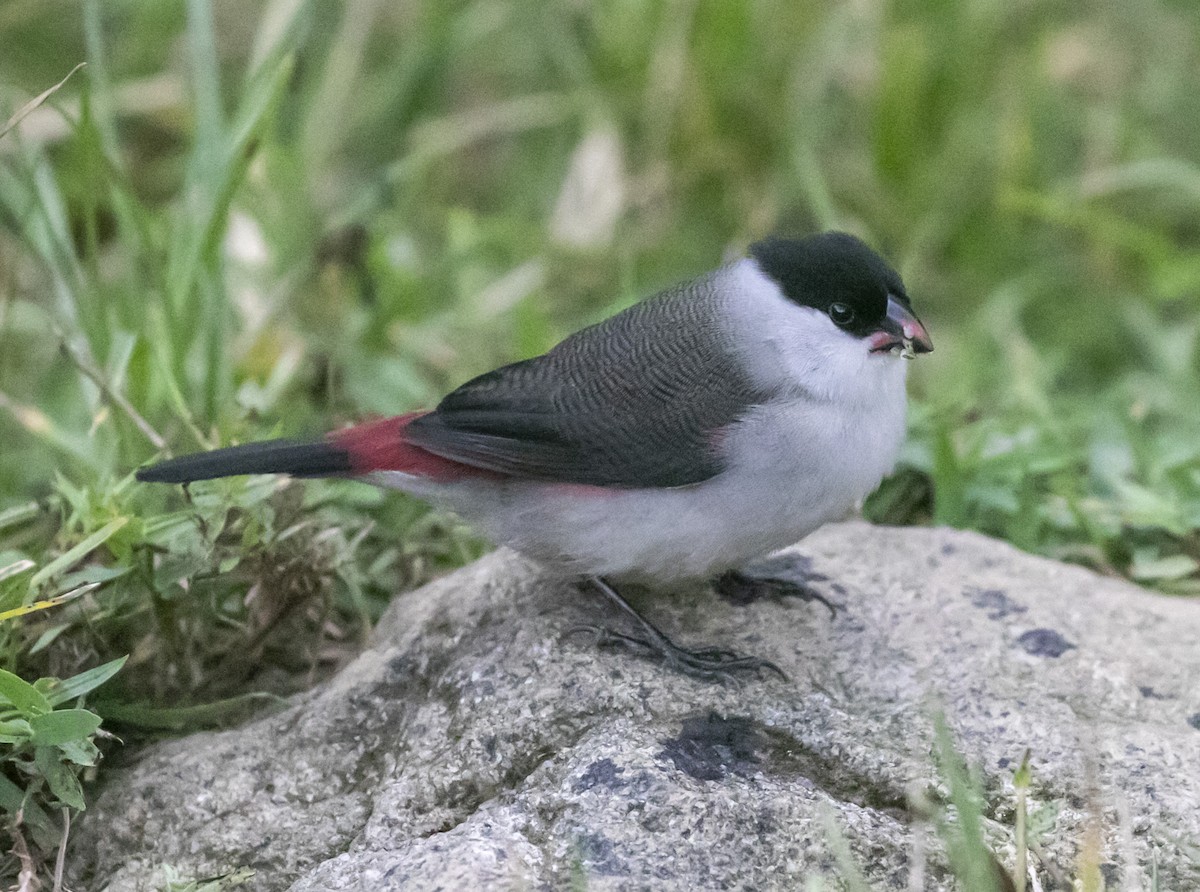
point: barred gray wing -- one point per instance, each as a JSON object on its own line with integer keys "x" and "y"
{"x": 638, "y": 400}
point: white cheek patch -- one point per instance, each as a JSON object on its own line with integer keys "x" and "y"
{"x": 785, "y": 346}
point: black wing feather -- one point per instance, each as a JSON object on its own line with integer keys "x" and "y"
{"x": 634, "y": 401}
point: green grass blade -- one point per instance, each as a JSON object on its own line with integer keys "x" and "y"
{"x": 74, "y": 555}
{"x": 78, "y": 685}
{"x": 183, "y": 718}
{"x": 36, "y": 101}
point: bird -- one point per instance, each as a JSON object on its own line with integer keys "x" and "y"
{"x": 680, "y": 439}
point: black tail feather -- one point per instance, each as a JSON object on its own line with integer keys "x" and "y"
{"x": 313, "y": 459}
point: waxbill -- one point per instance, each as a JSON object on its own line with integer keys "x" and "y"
{"x": 717, "y": 421}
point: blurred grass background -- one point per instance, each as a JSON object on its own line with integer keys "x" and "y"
{"x": 246, "y": 219}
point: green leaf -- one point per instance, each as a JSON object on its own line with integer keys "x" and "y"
{"x": 180, "y": 718}
{"x": 1023, "y": 776}
{"x": 222, "y": 883}
{"x": 12, "y": 797}
{"x": 78, "y": 685}
{"x": 47, "y": 638}
{"x": 21, "y": 694}
{"x": 63, "y": 725}
{"x": 14, "y": 516}
{"x": 15, "y": 731}
{"x": 970, "y": 858}
{"x": 14, "y": 801}
{"x": 92, "y": 574}
{"x": 91, "y": 543}
{"x": 61, "y": 778}
{"x": 1175, "y": 566}
{"x": 81, "y": 752}
{"x": 15, "y": 569}
{"x": 36, "y": 101}
{"x": 65, "y": 785}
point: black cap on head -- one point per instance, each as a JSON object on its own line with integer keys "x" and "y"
{"x": 835, "y": 273}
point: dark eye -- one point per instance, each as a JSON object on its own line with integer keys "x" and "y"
{"x": 841, "y": 314}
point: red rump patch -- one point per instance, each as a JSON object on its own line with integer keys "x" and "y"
{"x": 382, "y": 446}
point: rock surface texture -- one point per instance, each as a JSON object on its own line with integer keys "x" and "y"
{"x": 476, "y": 746}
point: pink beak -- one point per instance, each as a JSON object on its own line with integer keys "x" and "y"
{"x": 900, "y": 325}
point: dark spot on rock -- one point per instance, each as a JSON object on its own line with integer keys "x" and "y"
{"x": 601, "y": 773}
{"x": 652, "y": 823}
{"x": 712, "y": 747}
{"x": 1111, "y": 873}
{"x": 639, "y": 784}
{"x": 489, "y": 745}
{"x": 1194, "y": 720}
{"x": 1044, "y": 643}
{"x": 461, "y": 793}
{"x": 1003, "y": 762}
{"x": 765, "y": 825}
{"x": 1150, "y": 694}
{"x": 401, "y": 666}
{"x": 709, "y": 747}
{"x": 599, "y": 854}
{"x": 948, "y": 549}
{"x": 995, "y": 601}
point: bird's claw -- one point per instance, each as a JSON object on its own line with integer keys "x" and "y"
{"x": 706, "y": 663}
{"x": 742, "y": 589}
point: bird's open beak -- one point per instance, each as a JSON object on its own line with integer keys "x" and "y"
{"x": 901, "y": 331}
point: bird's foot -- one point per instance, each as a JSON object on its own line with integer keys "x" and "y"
{"x": 742, "y": 589}
{"x": 705, "y": 663}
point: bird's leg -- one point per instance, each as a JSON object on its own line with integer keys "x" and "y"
{"x": 708, "y": 663}
{"x": 742, "y": 589}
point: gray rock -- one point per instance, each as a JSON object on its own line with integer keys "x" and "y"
{"x": 474, "y": 747}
